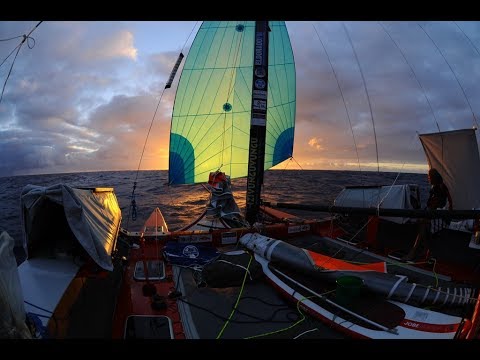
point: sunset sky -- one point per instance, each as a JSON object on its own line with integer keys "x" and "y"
{"x": 81, "y": 96}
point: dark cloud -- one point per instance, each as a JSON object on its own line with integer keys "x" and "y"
{"x": 68, "y": 106}
{"x": 84, "y": 96}
{"x": 407, "y": 72}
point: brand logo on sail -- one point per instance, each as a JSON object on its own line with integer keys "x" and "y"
{"x": 260, "y": 72}
{"x": 259, "y": 49}
{"x": 259, "y": 105}
{"x": 260, "y": 84}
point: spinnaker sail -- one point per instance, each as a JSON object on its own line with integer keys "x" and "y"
{"x": 210, "y": 126}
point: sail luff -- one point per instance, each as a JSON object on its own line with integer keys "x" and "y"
{"x": 258, "y": 122}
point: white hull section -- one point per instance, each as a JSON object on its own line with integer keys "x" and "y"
{"x": 418, "y": 323}
{"x": 44, "y": 282}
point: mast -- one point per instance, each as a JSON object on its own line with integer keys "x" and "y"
{"x": 258, "y": 121}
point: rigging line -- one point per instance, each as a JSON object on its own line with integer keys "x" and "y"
{"x": 468, "y": 38}
{"x": 16, "y": 47}
{"x": 10, "y": 71}
{"x": 297, "y": 163}
{"x": 451, "y": 69}
{"x": 133, "y": 207}
{"x": 12, "y": 38}
{"x": 366, "y": 91}
{"x": 230, "y": 89}
{"x": 289, "y": 160}
{"x": 167, "y": 86}
{"x": 25, "y": 37}
{"x": 478, "y": 52}
{"x": 413, "y": 72}
{"x": 186, "y": 41}
{"x": 148, "y": 133}
{"x": 398, "y": 174}
{"x": 343, "y": 97}
{"x": 181, "y": 52}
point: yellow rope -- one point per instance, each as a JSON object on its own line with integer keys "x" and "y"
{"x": 296, "y": 323}
{"x": 238, "y": 300}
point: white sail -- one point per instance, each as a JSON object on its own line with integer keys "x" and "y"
{"x": 455, "y": 155}
{"x": 12, "y": 309}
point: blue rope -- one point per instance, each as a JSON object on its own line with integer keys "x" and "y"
{"x": 40, "y": 331}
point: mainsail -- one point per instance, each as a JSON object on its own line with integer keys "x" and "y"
{"x": 212, "y": 112}
{"x": 455, "y": 155}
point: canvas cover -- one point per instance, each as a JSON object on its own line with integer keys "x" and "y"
{"x": 455, "y": 155}
{"x": 92, "y": 214}
{"x": 385, "y": 197}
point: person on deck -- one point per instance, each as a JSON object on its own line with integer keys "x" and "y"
{"x": 439, "y": 195}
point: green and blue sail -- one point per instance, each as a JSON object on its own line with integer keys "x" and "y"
{"x": 210, "y": 126}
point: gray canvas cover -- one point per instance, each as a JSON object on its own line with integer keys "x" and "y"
{"x": 384, "y": 197}
{"x": 93, "y": 216}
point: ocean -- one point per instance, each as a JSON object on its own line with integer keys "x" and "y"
{"x": 182, "y": 204}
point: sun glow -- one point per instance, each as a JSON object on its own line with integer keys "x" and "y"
{"x": 330, "y": 164}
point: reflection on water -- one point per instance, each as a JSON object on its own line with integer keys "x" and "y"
{"x": 181, "y": 204}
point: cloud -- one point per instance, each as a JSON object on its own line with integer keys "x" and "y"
{"x": 84, "y": 100}
{"x": 399, "y": 81}
{"x": 84, "y": 96}
{"x": 116, "y": 45}
{"x": 315, "y": 143}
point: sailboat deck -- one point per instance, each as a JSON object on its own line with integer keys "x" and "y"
{"x": 201, "y": 308}
{"x": 197, "y": 310}
{"x": 261, "y": 312}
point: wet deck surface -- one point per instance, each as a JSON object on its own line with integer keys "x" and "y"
{"x": 261, "y": 312}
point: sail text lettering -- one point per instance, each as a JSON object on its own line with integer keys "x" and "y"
{"x": 259, "y": 49}
{"x": 252, "y": 170}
